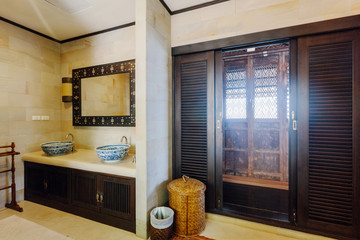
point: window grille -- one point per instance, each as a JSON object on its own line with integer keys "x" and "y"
{"x": 235, "y": 94}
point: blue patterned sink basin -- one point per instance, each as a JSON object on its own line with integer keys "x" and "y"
{"x": 112, "y": 153}
{"x": 57, "y": 148}
{"x": 127, "y": 147}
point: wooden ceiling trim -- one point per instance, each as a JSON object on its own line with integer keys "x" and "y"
{"x": 69, "y": 39}
{"x": 99, "y": 32}
{"x": 187, "y": 9}
{"x": 28, "y": 29}
{"x": 166, "y": 6}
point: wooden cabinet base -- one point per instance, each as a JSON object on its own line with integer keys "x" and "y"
{"x": 100, "y": 212}
{"x": 95, "y": 216}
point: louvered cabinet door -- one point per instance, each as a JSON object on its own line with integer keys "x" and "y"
{"x": 58, "y": 184}
{"x": 328, "y": 133}
{"x": 194, "y": 119}
{"x": 117, "y": 196}
{"x": 84, "y": 190}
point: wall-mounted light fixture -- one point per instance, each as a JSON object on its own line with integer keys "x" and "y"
{"x": 66, "y": 88}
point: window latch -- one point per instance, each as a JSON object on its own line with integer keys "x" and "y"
{"x": 294, "y": 125}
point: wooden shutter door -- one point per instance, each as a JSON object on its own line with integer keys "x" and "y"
{"x": 328, "y": 133}
{"x": 194, "y": 119}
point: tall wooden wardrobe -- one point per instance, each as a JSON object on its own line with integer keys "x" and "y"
{"x": 317, "y": 188}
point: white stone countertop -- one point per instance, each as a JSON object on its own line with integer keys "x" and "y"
{"x": 84, "y": 159}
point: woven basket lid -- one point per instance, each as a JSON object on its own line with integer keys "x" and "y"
{"x": 186, "y": 186}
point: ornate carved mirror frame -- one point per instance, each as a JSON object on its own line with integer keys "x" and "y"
{"x": 103, "y": 70}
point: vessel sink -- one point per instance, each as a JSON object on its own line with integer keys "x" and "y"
{"x": 57, "y": 147}
{"x": 112, "y": 153}
{"x": 127, "y": 147}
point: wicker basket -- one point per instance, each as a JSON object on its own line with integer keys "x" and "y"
{"x": 187, "y": 199}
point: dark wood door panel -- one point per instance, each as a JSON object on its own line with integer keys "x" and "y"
{"x": 84, "y": 190}
{"x": 35, "y": 180}
{"x": 194, "y": 120}
{"x": 118, "y": 196}
{"x": 328, "y": 159}
{"x": 256, "y": 201}
{"x": 58, "y": 183}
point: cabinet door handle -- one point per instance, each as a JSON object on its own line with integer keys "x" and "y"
{"x": 101, "y": 197}
{"x": 97, "y": 197}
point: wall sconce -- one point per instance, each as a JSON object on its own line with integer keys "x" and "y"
{"x": 66, "y": 88}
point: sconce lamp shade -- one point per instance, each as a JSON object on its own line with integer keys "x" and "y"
{"x": 66, "y": 88}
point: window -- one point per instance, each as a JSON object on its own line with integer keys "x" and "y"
{"x": 236, "y": 94}
{"x": 266, "y": 92}
{"x": 256, "y": 106}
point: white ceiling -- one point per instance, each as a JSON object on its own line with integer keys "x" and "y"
{"x": 73, "y": 18}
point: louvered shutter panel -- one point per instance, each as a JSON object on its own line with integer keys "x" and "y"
{"x": 328, "y": 157}
{"x": 194, "y": 109}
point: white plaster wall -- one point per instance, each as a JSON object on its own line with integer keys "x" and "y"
{"x": 238, "y": 17}
{"x": 114, "y": 46}
{"x": 153, "y": 97}
{"x": 30, "y": 84}
{"x": 159, "y": 104}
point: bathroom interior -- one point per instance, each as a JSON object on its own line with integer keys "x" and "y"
{"x": 272, "y": 166}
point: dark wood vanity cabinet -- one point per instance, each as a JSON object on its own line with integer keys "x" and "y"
{"x": 101, "y": 197}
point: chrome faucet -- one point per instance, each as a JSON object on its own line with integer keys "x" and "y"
{"x": 72, "y": 139}
{"x": 126, "y": 141}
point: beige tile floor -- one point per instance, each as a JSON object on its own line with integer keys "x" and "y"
{"x": 217, "y": 227}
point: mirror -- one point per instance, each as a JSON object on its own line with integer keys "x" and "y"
{"x": 104, "y": 95}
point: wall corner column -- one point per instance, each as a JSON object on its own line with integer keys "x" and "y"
{"x": 153, "y": 109}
